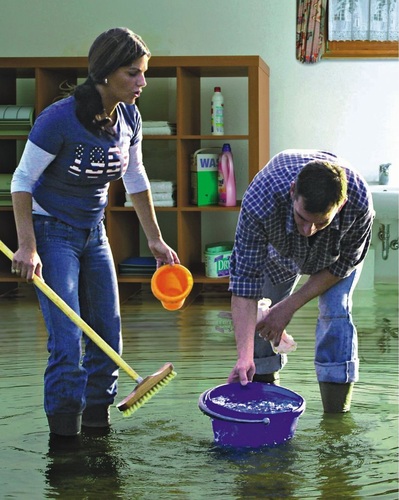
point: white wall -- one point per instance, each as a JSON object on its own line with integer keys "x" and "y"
{"x": 350, "y": 107}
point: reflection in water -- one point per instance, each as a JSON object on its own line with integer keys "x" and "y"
{"x": 83, "y": 467}
{"x": 166, "y": 449}
{"x": 268, "y": 473}
{"x": 340, "y": 449}
{"x": 389, "y": 336}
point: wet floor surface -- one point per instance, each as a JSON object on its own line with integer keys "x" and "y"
{"x": 166, "y": 448}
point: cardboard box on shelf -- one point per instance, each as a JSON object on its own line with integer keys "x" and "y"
{"x": 204, "y": 177}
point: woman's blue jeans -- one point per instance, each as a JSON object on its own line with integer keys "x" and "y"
{"x": 336, "y": 357}
{"x": 78, "y": 266}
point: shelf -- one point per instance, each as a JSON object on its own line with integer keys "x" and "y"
{"x": 221, "y": 138}
{"x": 13, "y": 137}
{"x": 210, "y": 208}
{"x": 178, "y": 83}
{"x": 159, "y": 137}
{"x": 188, "y": 208}
{"x": 198, "y": 278}
{"x": 131, "y": 209}
{"x": 11, "y": 282}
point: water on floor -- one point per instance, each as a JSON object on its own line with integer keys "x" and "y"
{"x": 166, "y": 449}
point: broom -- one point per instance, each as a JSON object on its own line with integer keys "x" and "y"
{"x": 146, "y": 387}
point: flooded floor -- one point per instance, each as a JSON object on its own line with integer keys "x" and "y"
{"x": 166, "y": 449}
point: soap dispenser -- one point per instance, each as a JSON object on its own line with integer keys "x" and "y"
{"x": 384, "y": 173}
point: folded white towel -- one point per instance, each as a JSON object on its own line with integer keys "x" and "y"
{"x": 158, "y": 203}
{"x": 157, "y": 196}
{"x": 159, "y": 131}
{"x": 159, "y": 128}
{"x": 162, "y": 196}
{"x": 164, "y": 203}
{"x": 161, "y": 186}
{"x": 156, "y": 123}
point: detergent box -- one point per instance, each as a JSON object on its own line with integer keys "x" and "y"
{"x": 204, "y": 176}
{"x": 217, "y": 259}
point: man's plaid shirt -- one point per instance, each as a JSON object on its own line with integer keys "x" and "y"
{"x": 267, "y": 240}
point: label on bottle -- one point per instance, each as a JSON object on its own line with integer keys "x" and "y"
{"x": 217, "y": 115}
{"x": 221, "y": 188}
{"x": 226, "y": 180}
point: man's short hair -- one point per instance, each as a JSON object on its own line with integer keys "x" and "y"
{"x": 322, "y": 185}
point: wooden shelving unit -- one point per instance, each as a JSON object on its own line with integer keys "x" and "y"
{"x": 122, "y": 225}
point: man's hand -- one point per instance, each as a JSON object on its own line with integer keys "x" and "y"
{"x": 242, "y": 372}
{"x": 275, "y": 320}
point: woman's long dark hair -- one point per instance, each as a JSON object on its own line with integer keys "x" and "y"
{"x": 111, "y": 50}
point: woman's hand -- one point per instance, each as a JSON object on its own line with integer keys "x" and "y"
{"x": 26, "y": 263}
{"x": 163, "y": 253}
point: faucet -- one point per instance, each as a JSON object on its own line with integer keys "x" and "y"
{"x": 384, "y": 173}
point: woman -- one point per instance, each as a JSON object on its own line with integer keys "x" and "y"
{"x": 59, "y": 190}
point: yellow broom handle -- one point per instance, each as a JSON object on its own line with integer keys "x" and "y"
{"x": 73, "y": 316}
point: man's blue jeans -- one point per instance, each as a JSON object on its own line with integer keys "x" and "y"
{"x": 78, "y": 266}
{"x": 336, "y": 357}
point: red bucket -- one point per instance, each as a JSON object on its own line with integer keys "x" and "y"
{"x": 253, "y": 415}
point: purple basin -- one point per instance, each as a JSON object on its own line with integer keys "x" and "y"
{"x": 252, "y": 416}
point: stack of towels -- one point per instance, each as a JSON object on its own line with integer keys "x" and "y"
{"x": 159, "y": 128}
{"x": 163, "y": 193}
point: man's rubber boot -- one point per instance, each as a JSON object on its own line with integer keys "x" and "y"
{"x": 268, "y": 378}
{"x": 336, "y": 398}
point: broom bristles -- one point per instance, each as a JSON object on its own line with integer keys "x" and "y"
{"x": 146, "y": 389}
{"x": 140, "y": 402}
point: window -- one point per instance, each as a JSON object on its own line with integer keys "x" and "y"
{"x": 372, "y": 25}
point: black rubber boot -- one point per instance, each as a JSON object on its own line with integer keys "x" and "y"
{"x": 96, "y": 416}
{"x": 61, "y": 445}
{"x": 65, "y": 424}
{"x": 268, "y": 378}
{"x": 336, "y": 398}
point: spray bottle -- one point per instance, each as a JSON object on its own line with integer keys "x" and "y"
{"x": 226, "y": 178}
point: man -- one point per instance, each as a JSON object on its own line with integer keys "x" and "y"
{"x": 306, "y": 212}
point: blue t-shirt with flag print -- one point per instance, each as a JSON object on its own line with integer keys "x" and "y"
{"x": 74, "y": 187}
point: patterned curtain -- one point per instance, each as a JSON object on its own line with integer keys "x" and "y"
{"x": 374, "y": 20}
{"x": 311, "y": 16}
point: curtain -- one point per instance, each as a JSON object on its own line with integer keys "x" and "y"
{"x": 374, "y": 20}
{"x": 310, "y": 30}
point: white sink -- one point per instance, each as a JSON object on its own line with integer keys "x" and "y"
{"x": 386, "y": 201}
